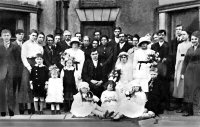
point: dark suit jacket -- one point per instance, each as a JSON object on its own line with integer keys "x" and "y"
{"x": 106, "y": 57}
{"x": 8, "y": 60}
{"x": 51, "y": 57}
{"x": 172, "y": 53}
{"x": 89, "y": 72}
{"x": 7, "y": 64}
{"x": 163, "y": 50}
{"x": 19, "y": 65}
{"x": 63, "y": 46}
{"x": 117, "y": 50}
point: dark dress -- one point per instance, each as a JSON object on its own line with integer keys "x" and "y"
{"x": 191, "y": 71}
{"x": 39, "y": 75}
{"x": 69, "y": 84}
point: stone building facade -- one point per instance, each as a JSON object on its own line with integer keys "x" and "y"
{"x": 86, "y": 16}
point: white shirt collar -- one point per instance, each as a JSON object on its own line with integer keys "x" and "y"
{"x": 161, "y": 43}
{"x": 42, "y": 65}
{"x": 121, "y": 44}
{"x": 95, "y": 63}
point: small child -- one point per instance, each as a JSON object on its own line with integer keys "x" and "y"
{"x": 69, "y": 85}
{"x": 109, "y": 97}
{"x": 38, "y": 78}
{"x": 83, "y": 105}
{"x": 55, "y": 90}
{"x": 153, "y": 104}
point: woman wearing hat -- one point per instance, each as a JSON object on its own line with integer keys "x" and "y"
{"x": 141, "y": 64}
{"x": 78, "y": 56}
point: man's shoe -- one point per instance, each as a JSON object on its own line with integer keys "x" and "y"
{"x": 3, "y": 114}
{"x": 53, "y": 112}
{"x": 21, "y": 112}
{"x": 58, "y": 112}
{"x": 187, "y": 114}
{"x": 11, "y": 113}
{"x": 179, "y": 111}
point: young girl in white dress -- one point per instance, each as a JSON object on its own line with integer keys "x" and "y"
{"x": 55, "y": 90}
{"x": 109, "y": 97}
{"x": 84, "y": 105}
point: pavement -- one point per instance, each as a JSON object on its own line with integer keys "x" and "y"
{"x": 168, "y": 119}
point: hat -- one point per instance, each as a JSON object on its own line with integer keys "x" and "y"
{"x": 123, "y": 54}
{"x": 75, "y": 40}
{"x": 39, "y": 55}
{"x": 144, "y": 40}
{"x": 83, "y": 85}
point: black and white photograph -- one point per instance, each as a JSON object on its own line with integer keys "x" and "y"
{"x": 99, "y": 63}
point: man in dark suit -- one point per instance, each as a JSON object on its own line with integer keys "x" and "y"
{"x": 51, "y": 53}
{"x": 19, "y": 65}
{"x": 122, "y": 46}
{"x": 65, "y": 44}
{"x": 162, "y": 48}
{"x": 173, "y": 44}
{"x": 92, "y": 73}
{"x": 7, "y": 65}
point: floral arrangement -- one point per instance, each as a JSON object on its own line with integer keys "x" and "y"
{"x": 153, "y": 58}
{"x": 115, "y": 75}
{"x": 131, "y": 92}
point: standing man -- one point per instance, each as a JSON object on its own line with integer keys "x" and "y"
{"x": 122, "y": 46}
{"x": 19, "y": 65}
{"x": 7, "y": 64}
{"x": 97, "y": 35}
{"x": 93, "y": 73}
{"x": 86, "y": 47}
{"x": 41, "y": 38}
{"x": 65, "y": 44}
{"x": 173, "y": 44}
{"x": 173, "y": 49}
{"x": 162, "y": 48}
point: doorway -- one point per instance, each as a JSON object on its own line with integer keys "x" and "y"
{"x": 106, "y": 28}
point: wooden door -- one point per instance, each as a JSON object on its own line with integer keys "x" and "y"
{"x": 106, "y": 28}
{"x": 189, "y": 18}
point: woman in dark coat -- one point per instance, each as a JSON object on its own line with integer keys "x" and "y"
{"x": 191, "y": 72}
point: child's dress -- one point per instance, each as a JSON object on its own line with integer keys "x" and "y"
{"x": 109, "y": 100}
{"x": 133, "y": 106}
{"x": 39, "y": 75}
{"x": 55, "y": 91}
{"x": 82, "y": 108}
{"x": 69, "y": 84}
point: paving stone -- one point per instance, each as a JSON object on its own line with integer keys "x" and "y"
{"x": 27, "y": 117}
{"x": 4, "y": 118}
{"x": 47, "y": 117}
{"x": 145, "y": 122}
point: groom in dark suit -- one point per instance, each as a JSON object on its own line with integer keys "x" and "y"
{"x": 7, "y": 66}
{"x": 93, "y": 74}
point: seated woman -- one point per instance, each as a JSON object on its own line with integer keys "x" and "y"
{"x": 133, "y": 101}
{"x": 125, "y": 68}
